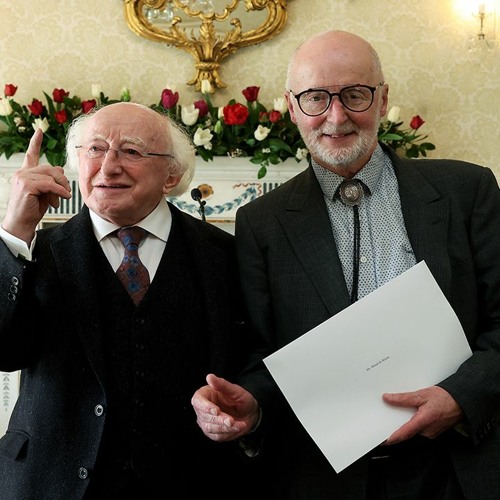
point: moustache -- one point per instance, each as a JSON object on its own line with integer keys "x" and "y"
{"x": 345, "y": 129}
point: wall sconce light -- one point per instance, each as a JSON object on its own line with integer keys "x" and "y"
{"x": 481, "y": 42}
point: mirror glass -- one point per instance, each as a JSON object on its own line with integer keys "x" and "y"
{"x": 162, "y": 18}
{"x": 208, "y": 29}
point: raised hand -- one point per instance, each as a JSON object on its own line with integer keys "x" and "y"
{"x": 34, "y": 188}
{"x": 224, "y": 411}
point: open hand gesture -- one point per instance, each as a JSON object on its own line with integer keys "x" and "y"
{"x": 224, "y": 411}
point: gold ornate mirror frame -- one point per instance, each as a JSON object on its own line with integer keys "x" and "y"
{"x": 201, "y": 39}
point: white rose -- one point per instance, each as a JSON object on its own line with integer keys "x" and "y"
{"x": 96, "y": 90}
{"x": 280, "y": 105}
{"x": 42, "y": 124}
{"x": 261, "y": 132}
{"x": 393, "y": 115}
{"x": 301, "y": 153}
{"x": 189, "y": 114}
{"x": 203, "y": 137}
{"x": 5, "y": 107}
{"x": 206, "y": 86}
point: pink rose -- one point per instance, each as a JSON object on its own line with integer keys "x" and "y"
{"x": 169, "y": 99}
{"x": 202, "y": 106}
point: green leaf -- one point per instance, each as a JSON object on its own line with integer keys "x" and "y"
{"x": 55, "y": 158}
{"x": 279, "y": 145}
{"x": 391, "y": 137}
{"x": 51, "y": 143}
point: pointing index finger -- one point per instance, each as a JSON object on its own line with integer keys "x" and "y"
{"x": 32, "y": 156}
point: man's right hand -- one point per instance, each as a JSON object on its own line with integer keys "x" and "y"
{"x": 224, "y": 411}
{"x": 33, "y": 188}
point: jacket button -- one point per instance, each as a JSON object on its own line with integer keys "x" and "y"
{"x": 14, "y": 280}
{"x": 11, "y": 297}
{"x": 99, "y": 410}
{"x": 83, "y": 473}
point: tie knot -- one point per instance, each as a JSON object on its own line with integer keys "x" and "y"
{"x": 131, "y": 236}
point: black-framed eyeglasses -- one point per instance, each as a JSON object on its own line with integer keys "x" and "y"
{"x": 129, "y": 154}
{"x": 357, "y": 98}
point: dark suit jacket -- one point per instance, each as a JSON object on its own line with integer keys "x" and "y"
{"x": 293, "y": 281}
{"x": 63, "y": 319}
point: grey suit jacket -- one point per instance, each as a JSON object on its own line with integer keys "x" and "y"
{"x": 293, "y": 280}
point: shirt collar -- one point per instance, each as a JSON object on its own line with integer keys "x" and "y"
{"x": 369, "y": 174}
{"x": 158, "y": 223}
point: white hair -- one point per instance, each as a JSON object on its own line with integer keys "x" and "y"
{"x": 182, "y": 149}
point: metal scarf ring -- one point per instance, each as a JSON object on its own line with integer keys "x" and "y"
{"x": 351, "y": 192}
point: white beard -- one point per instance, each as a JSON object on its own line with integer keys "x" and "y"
{"x": 340, "y": 157}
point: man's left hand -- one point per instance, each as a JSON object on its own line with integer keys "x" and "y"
{"x": 436, "y": 412}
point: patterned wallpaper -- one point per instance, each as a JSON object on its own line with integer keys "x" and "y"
{"x": 423, "y": 46}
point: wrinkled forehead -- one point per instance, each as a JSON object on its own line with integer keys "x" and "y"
{"x": 127, "y": 124}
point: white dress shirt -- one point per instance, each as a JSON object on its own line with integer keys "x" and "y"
{"x": 158, "y": 224}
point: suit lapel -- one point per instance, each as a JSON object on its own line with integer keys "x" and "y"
{"x": 426, "y": 214}
{"x": 74, "y": 250}
{"x": 305, "y": 221}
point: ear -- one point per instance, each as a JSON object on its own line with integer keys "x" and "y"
{"x": 170, "y": 183}
{"x": 290, "y": 103}
{"x": 385, "y": 100}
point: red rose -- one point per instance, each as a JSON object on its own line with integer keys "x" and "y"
{"x": 274, "y": 116}
{"x": 202, "y": 106}
{"x": 251, "y": 93}
{"x": 88, "y": 105}
{"x": 36, "y": 107}
{"x": 9, "y": 90}
{"x": 169, "y": 99}
{"x": 235, "y": 114}
{"x": 59, "y": 95}
{"x": 416, "y": 122}
{"x": 61, "y": 116}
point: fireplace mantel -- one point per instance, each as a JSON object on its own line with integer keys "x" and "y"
{"x": 232, "y": 183}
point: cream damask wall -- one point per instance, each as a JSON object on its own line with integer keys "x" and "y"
{"x": 72, "y": 44}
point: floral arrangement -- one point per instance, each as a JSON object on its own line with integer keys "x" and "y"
{"x": 53, "y": 118}
{"x": 404, "y": 140}
{"x": 265, "y": 136}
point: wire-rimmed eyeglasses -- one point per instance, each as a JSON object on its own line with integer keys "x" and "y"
{"x": 357, "y": 98}
{"x": 95, "y": 152}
